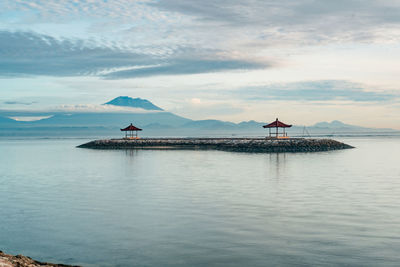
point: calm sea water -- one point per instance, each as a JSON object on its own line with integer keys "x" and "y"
{"x": 201, "y": 208}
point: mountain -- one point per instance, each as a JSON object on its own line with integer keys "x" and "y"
{"x": 335, "y": 125}
{"x": 154, "y": 121}
{"x": 126, "y": 101}
{"x": 251, "y": 124}
{"x": 210, "y": 125}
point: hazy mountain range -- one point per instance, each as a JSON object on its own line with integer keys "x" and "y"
{"x": 151, "y": 118}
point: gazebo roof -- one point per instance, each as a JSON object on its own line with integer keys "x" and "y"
{"x": 131, "y": 128}
{"x": 277, "y": 124}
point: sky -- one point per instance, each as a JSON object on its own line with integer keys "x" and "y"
{"x": 303, "y": 61}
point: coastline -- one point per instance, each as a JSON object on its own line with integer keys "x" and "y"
{"x": 7, "y": 260}
{"x": 249, "y": 145}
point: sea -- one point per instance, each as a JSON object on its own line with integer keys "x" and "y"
{"x": 63, "y": 204}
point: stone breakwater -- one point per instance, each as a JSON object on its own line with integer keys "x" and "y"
{"x": 252, "y": 145}
{"x": 23, "y": 261}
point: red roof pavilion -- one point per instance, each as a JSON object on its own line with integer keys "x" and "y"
{"x": 129, "y": 131}
{"x": 277, "y": 124}
{"x": 131, "y": 128}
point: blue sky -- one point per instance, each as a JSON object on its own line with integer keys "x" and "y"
{"x": 304, "y": 61}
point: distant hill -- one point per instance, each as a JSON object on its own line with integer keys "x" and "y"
{"x": 251, "y": 124}
{"x": 339, "y": 126}
{"x": 154, "y": 121}
{"x": 126, "y": 101}
{"x": 210, "y": 125}
{"x": 335, "y": 125}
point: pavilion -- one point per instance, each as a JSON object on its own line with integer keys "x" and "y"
{"x": 129, "y": 132}
{"x": 277, "y": 124}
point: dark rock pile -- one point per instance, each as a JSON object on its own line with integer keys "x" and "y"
{"x": 253, "y": 145}
{"x": 23, "y": 261}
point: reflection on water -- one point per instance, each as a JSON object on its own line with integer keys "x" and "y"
{"x": 185, "y": 208}
{"x": 131, "y": 152}
{"x": 277, "y": 164}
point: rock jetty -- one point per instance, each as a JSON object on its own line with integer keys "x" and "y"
{"x": 23, "y": 261}
{"x": 252, "y": 145}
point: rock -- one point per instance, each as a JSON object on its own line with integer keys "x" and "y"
{"x": 250, "y": 145}
{"x": 23, "y": 261}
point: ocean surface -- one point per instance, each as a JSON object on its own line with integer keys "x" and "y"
{"x": 63, "y": 204}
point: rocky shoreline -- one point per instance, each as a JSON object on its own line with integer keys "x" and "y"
{"x": 7, "y": 260}
{"x": 250, "y": 145}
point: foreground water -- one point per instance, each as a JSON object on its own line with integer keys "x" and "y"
{"x": 205, "y": 208}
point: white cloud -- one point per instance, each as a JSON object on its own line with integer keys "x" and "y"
{"x": 55, "y": 10}
{"x": 78, "y": 108}
{"x": 99, "y": 108}
{"x": 29, "y": 118}
{"x": 26, "y": 53}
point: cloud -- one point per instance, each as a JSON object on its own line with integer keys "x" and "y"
{"x": 247, "y": 26}
{"x": 25, "y": 53}
{"x": 127, "y": 39}
{"x": 198, "y": 108}
{"x": 77, "y": 108}
{"x": 188, "y": 66}
{"x": 326, "y": 90}
{"x": 308, "y": 15}
{"x": 243, "y": 26}
{"x": 93, "y": 108}
{"x": 19, "y": 103}
{"x": 284, "y": 12}
{"x": 308, "y": 21}
{"x": 29, "y": 118}
{"x": 55, "y": 10}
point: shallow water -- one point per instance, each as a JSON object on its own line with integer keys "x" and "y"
{"x": 200, "y": 208}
